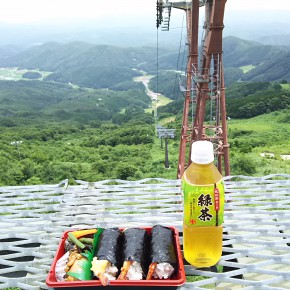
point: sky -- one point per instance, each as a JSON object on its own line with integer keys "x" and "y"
{"x": 33, "y": 11}
{"x": 35, "y": 21}
{"x": 266, "y": 5}
{"x": 25, "y": 11}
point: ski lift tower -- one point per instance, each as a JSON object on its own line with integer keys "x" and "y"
{"x": 204, "y": 80}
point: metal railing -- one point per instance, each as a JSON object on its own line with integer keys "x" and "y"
{"x": 256, "y": 253}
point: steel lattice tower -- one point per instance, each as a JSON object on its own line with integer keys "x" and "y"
{"x": 204, "y": 81}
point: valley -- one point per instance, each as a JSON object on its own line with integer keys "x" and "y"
{"x": 95, "y": 122}
{"x": 157, "y": 99}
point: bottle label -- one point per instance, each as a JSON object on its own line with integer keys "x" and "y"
{"x": 203, "y": 204}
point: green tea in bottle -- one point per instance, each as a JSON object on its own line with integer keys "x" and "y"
{"x": 203, "y": 193}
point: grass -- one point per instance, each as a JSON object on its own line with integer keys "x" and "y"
{"x": 163, "y": 101}
{"x": 247, "y": 68}
{"x": 158, "y": 155}
{"x": 285, "y": 86}
{"x": 167, "y": 120}
{"x": 251, "y": 124}
{"x": 13, "y": 73}
{"x": 198, "y": 278}
{"x": 265, "y": 133}
{"x": 268, "y": 129}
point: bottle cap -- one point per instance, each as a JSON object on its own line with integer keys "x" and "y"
{"x": 202, "y": 152}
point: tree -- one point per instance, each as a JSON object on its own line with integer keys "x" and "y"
{"x": 242, "y": 164}
{"x": 277, "y": 87}
{"x": 33, "y": 75}
{"x": 134, "y": 110}
{"x": 125, "y": 170}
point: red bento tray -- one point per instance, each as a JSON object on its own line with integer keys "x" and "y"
{"x": 177, "y": 280}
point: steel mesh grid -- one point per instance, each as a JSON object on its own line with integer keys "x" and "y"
{"x": 256, "y": 228}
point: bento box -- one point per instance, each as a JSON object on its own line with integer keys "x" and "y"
{"x": 178, "y": 277}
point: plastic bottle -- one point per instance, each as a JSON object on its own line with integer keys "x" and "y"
{"x": 203, "y": 192}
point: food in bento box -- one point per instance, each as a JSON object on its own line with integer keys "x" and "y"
{"x": 106, "y": 261}
{"x": 75, "y": 264}
{"x": 78, "y": 267}
{"x": 135, "y": 254}
{"x": 60, "y": 267}
{"x": 163, "y": 255}
{"x": 117, "y": 254}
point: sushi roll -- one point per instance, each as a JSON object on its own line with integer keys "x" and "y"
{"x": 163, "y": 254}
{"x": 135, "y": 254}
{"x": 106, "y": 261}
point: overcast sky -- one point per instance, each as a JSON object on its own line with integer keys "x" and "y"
{"x": 24, "y": 11}
{"x": 21, "y": 11}
{"x": 37, "y": 21}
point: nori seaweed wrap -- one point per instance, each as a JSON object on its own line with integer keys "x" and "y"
{"x": 109, "y": 246}
{"x": 163, "y": 255}
{"x": 135, "y": 254}
{"x": 107, "y": 257}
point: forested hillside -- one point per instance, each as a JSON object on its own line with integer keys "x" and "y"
{"x": 27, "y": 102}
{"x": 51, "y": 131}
{"x": 85, "y": 117}
{"x": 244, "y": 100}
{"x": 49, "y": 153}
{"x": 85, "y": 64}
{"x": 265, "y": 62}
{"x": 91, "y": 65}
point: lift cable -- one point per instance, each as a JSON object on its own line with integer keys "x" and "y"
{"x": 157, "y": 76}
{"x": 178, "y": 68}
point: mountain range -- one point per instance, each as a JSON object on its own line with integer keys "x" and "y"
{"x": 92, "y": 65}
{"x": 268, "y": 62}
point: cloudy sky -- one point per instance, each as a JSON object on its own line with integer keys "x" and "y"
{"x": 20, "y": 11}
{"x": 24, "y": 11}
{"x": 29, "y": 21}
{"x": 246, "y": 5}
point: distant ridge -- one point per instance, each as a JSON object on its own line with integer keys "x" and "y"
{"x": 85, "y": 64}
{"x": 270, "y": 62}
{"x": 277, "y": 39}
{"x": 92, "y": 65}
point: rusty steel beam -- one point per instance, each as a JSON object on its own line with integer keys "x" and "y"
{"x": 209, "y": 80}
{"x": 206, "y": 72}
{"x": 192, "y": 25}
{"x": 225, "y": 144}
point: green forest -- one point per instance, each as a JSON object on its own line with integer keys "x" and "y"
{"x": 82, "y": 137}
{"x": 61, "y": 117}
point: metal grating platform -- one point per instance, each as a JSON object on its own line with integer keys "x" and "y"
{"x": 256, "y": 252}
